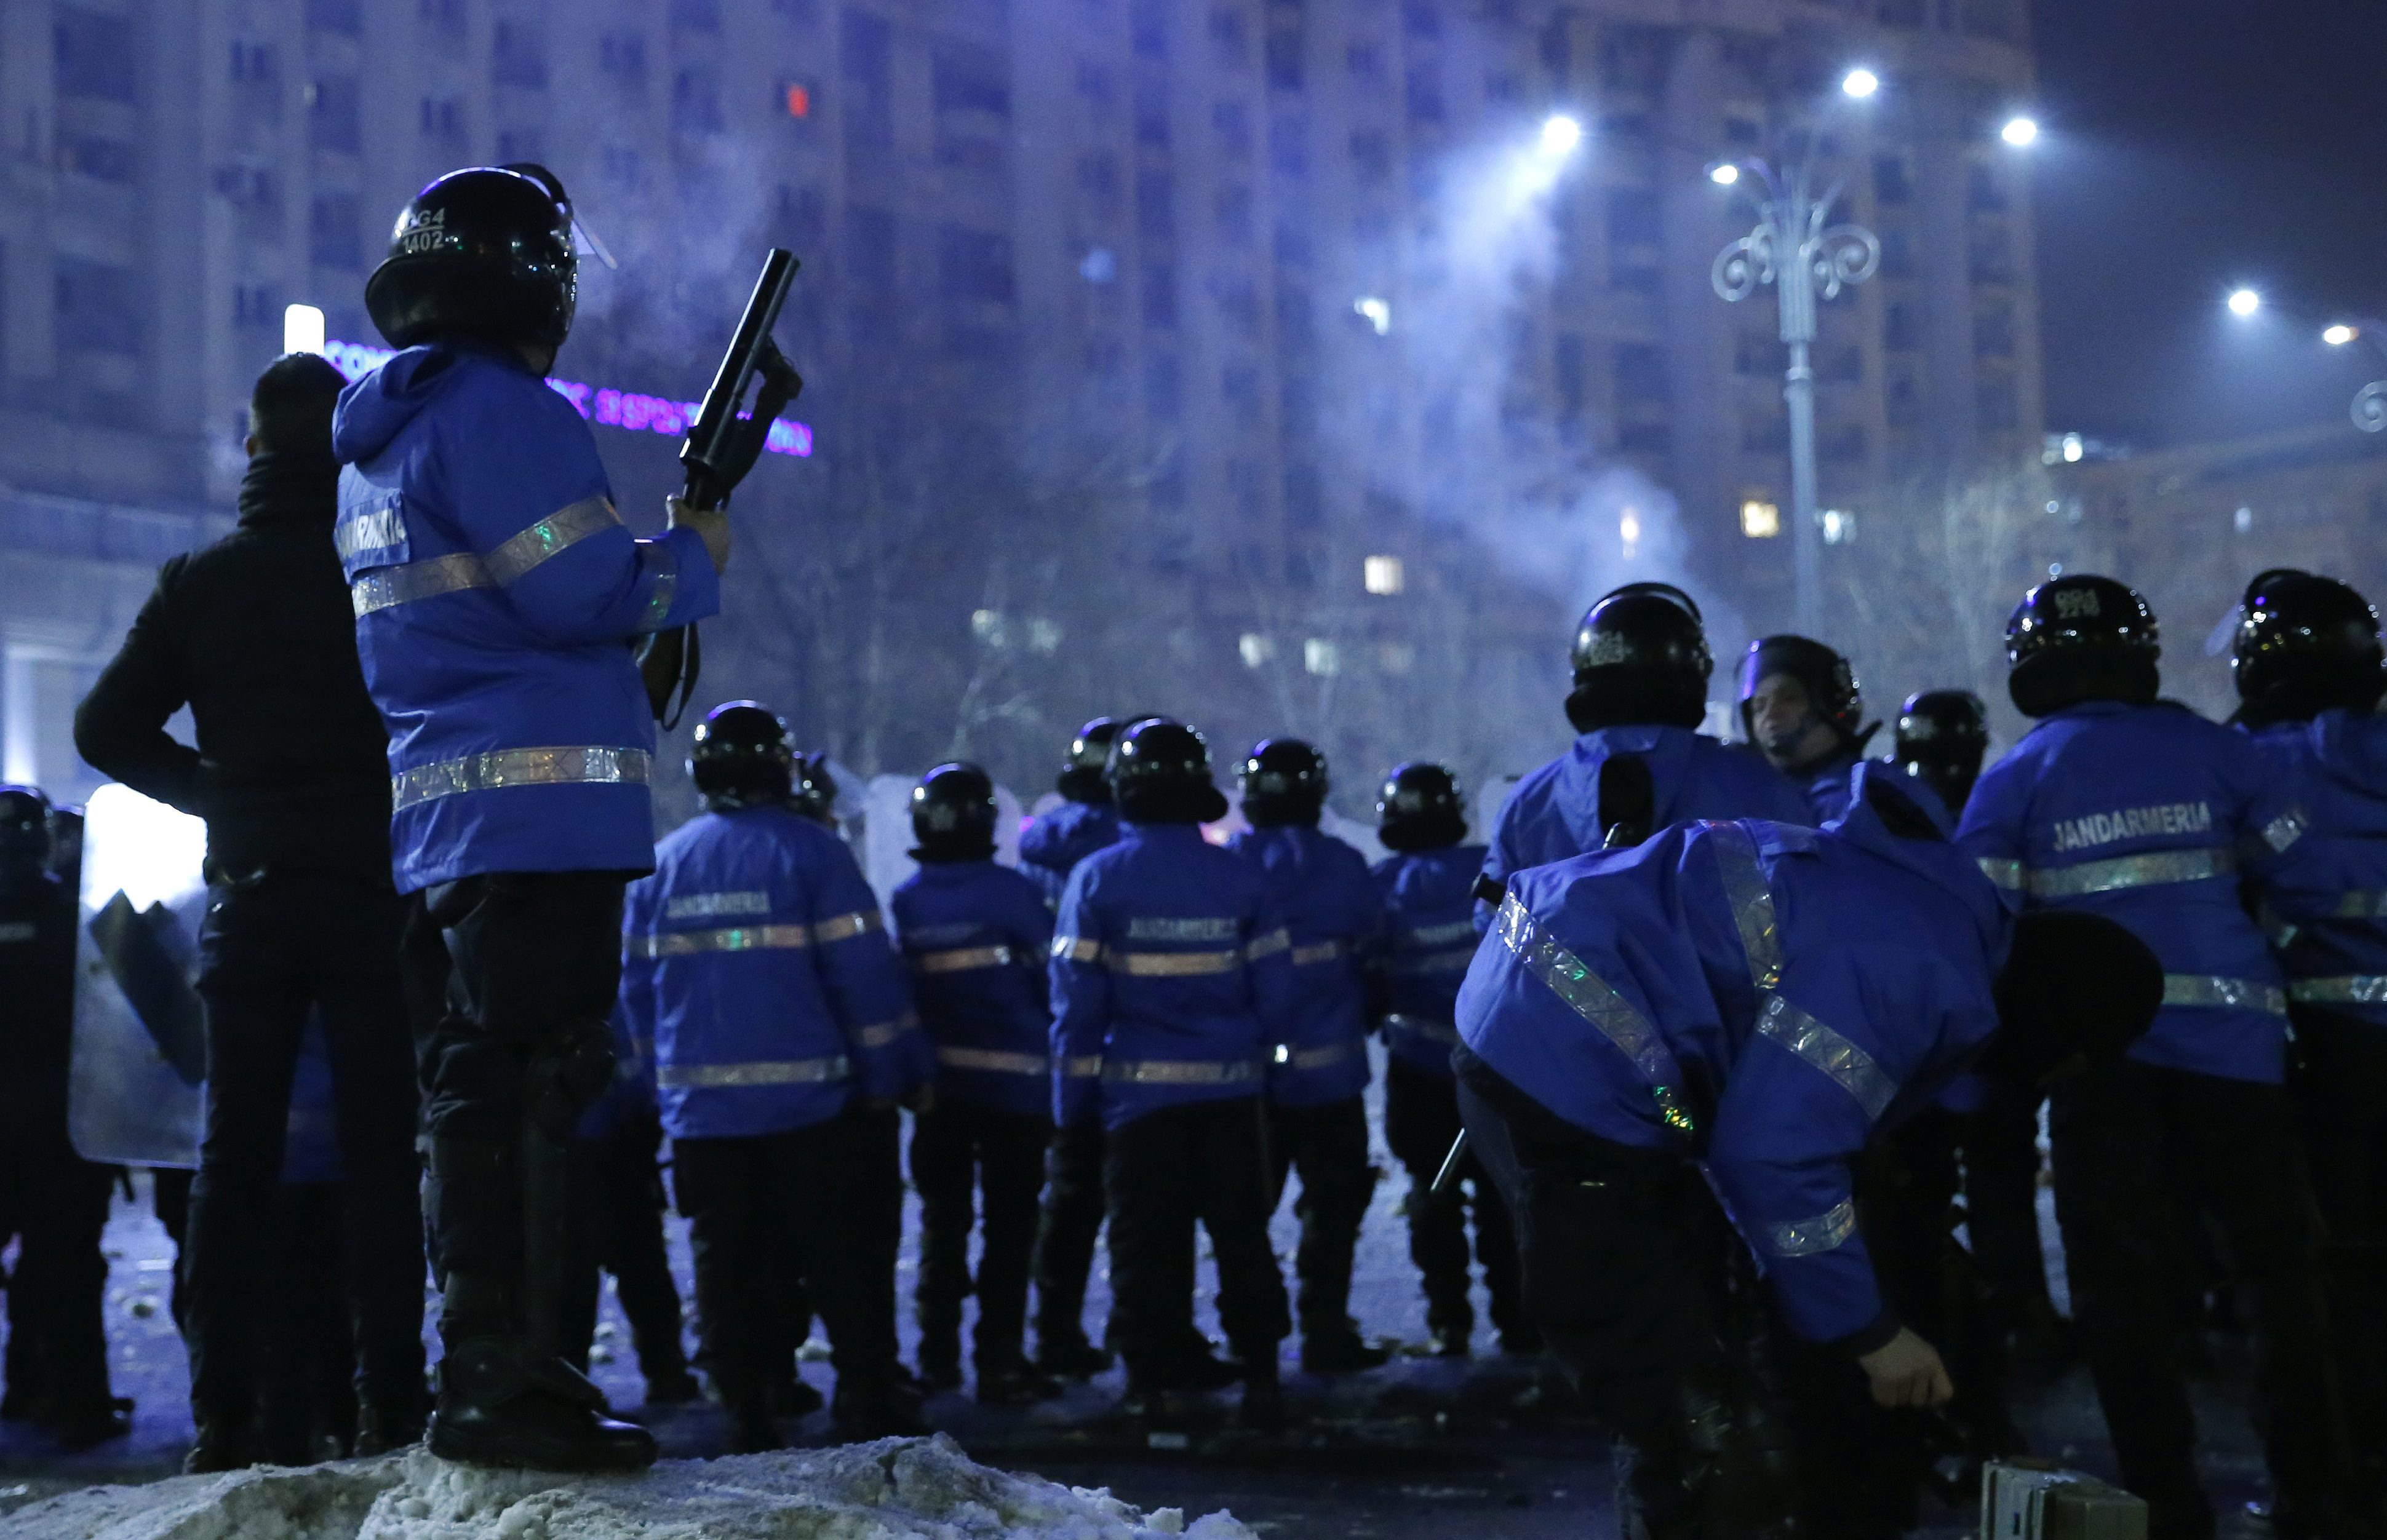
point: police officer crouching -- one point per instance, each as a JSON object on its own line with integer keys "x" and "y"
{"x": 1696, "y": 1008}
{"x": 1170, "y": 967}
{"x": 1641, "y": 665}
{"x": 496, "y": 595}
{"x": 1799, "y": 705}
{"x": 976, "y": 936}
{"x": 2119, "y": 805}
{"x": 2307, "y": 668}
{"x": 784, "y": 1036}
{"x": 1427, "y": 890}
{"x": 1050, "y": 848}
{"x": 1318, "y": 1115}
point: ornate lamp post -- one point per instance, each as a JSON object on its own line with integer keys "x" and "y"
{"x": 1797, "y": 249}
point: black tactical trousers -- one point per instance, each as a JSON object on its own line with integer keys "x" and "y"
{"x": 959, "y": 1148}
{"x": 57, "y": 1204}
{"x": 2001, "y": 1153}
{"x": 617, "y": 1227}
{"x": 2119, "y": 1136}
{"x": 1066, "y": 1229}
{"x": 1203, "y": 1162}
{"x": 2339, "y": 1083}
{"x": 824, "y": 1202}
{"x": 305, "y": 1348}
{"x": 1420, "y": 1122}
{"x": 1328, "y": 1144}
{"x": 499, "y": 970}
{"x": 273, "y": 951}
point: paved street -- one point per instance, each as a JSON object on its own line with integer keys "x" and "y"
{"x": 1422, "y": 1448}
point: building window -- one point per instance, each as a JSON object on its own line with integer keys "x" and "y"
{"x": 98, "y": 306}
{"x": 1305, "y": 497}
{"x": 1239, "y": 387}
{"x": 518, "y": 58}
{"x": 521, "y": 144}
{"x": 1155, "y": 205}
{"x": 1235, "y": 212}
{"x": 621, "y": 165}
{"x": 332, "y": 225}
{"x": 794, "y": 98}
{"x": 870, "y": 249}
{"x": 1844, "y": 365}
{"x": 1901, "y": 332}
{"x": 1891, "y": 187}
{"x": 1640, "y": 374}
{"x": 624, "y": 57}
{"x": 1760, "y": 520}
{"x": 974, "y": 265}
{"x": 344, "y": 17}
{"x": 1288, "y": 149}
{"x": 254, "y": 64}
{"x": 1233, "y": 124}
{"x": 1098, "y": 178}
{"x": 1420, "y": 19}
{"x": 696, "y": 103}
{"x": 100, "y": 160}
{"x": 1896, "y": 253}
{"x": 1371, "y": 157}
{"x": 1321, "y": 657}
{"x": 1148, "y": 28}
{"x": 1151, "y": 120}
{"x": 1645, "y": 438}
{"x": 331, "y": 115}
{"x": 252, "y": 305}
{"x": 1983, "y": 195}
{"x": 93, "y": 55}
{"x": 1094, "y": 85}
{"x": 866, "y": 50}
{"x": 1364, "y": 59}
{"x": 1990, "y": 257}
{"x": 696, "y": 16}
{"x": 1843, "y": 443}
{"x": 1424, "y": 93}
{"x": 1159, "y": 295}
{"x": 1163, "y": 393}
{"x": 1384, "y": 574}
{"x": 1993, "y": 331}
{"x": 447, "y": 15}
{"x": 441, "y": 118}
{"x": 1996, "y": 404}
{"x": 1285, "y": 48}
{"x": 1230, "y": 37}
{"x": 1255, "y": 650}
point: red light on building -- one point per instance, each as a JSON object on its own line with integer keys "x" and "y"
{"x": 800, "y": 101}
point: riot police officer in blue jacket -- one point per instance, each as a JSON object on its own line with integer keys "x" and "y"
{"x": 1801, "y": 706}
{"x": 1701, "y": 1008}
{"x": 1050, "y": 848}
{"x": 2119, "y": 805}
{"x": 1427, "y": 887}
{"x": 1172, "y": 982}
{"x": 1641, "y": 668}
{"x": 976, "y": 936}
{"x": 784, "y": 1036}
{"x": 2307, "y": 665}
{"x": 497, "y": 595}
{"x": 1318, "y": 1115}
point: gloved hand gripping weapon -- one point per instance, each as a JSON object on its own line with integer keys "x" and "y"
{"x": 721, "y": 447}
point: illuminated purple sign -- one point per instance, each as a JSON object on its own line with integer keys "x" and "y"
{"x": 614, "y": 409}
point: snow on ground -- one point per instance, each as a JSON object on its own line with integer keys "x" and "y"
{"x": 896, "y": 1489}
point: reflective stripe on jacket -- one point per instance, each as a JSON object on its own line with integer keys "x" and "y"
{"x": 1428, "y": 942}
{"x": 1332, "y": 916}
{"x": 976, "y": 936}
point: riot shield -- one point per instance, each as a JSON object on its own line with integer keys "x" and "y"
{"x": 134, "y": 1086}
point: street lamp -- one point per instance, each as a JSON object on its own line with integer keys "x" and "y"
{"x": 1560, "y": 134}
{"x": 2021, "y": 133}
{"x": 1860, "y": 83}
{"x": 2245, "y": 302}
{"x": 1796, "y": 249}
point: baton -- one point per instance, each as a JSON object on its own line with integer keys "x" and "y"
{"x": 1445, "y": 1181}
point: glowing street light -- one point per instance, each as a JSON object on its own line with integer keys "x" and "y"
{"x": 2021, "y": 133}
{"x": 1723, "y": 173}
{"x": 1560, "y": 134}
{"x": 1860, "y": 83}
{"x": 302, "y": 329}
{"x": 2339, "y": 335}
{"x": 2245, "y": 302}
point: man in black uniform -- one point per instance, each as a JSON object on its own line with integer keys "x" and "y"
{"x": 55, "y": 1199}
{"x": 254, "y": 634}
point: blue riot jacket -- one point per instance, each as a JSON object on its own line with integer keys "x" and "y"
{"x": 495, "y": 593}
{"x": 1429, "y": 900}
{"x": 1330, "y": 911}
{"x": 1173, "y": 977}
{"x": 755, "y": 962}
{"x": 2151, "y": 816}
{"x": 1826, "y": 788}
{"x": 2325, "y": 901}
{"x": 976, "y": 936}
{"x": 1759, "y": 996}
{"x": 1554, "y": 813}
{"x": 1054, "y": 842}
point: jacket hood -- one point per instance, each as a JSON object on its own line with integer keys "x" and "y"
{"x": 1937, "y": 861}
{"x": 1668, "y": 752}
{"x": 2351, "y": 749}
{"x": 376, "y": 410}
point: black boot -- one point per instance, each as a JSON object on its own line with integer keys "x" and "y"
{"x": 1069, "y": 1356}
{"x": 1340, "y": 1352}
{"x": 865, "y": 1412}
{"x": 381, "y": 1430}
{"x": 496, "y": 1407}
{"x": 221, "y": 1446}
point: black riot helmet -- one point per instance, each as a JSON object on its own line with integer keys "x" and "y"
{"x": 1283, "y": 782}
{"x": 1830, "y": 683}
{"x": 483, "y": 252}
{"x": 1421, "y": 808}
{"x": 811, "y": 790}
{"x": 953, "y": 814}
{"x": 742, "y": 756}
{"x": 1941, "y": 735}
{"x": 1081, "y": 773}
{"x": 24, "y": 838}
{"x": 1160, "y": 774}
{"x": 2305, "y": 644}
{"x": 2082, "y": 638}
{"x": 1640, "y": 655}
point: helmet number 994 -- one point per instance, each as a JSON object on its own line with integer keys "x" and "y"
{"x": 2076, "y": 604}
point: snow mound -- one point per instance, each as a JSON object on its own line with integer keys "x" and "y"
{"x": 896, "y": 1489}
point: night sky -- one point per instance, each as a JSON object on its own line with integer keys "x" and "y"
{"x": 2192, "y": 146}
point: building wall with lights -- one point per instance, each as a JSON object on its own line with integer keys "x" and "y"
{"x": 1207, "y": 227}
